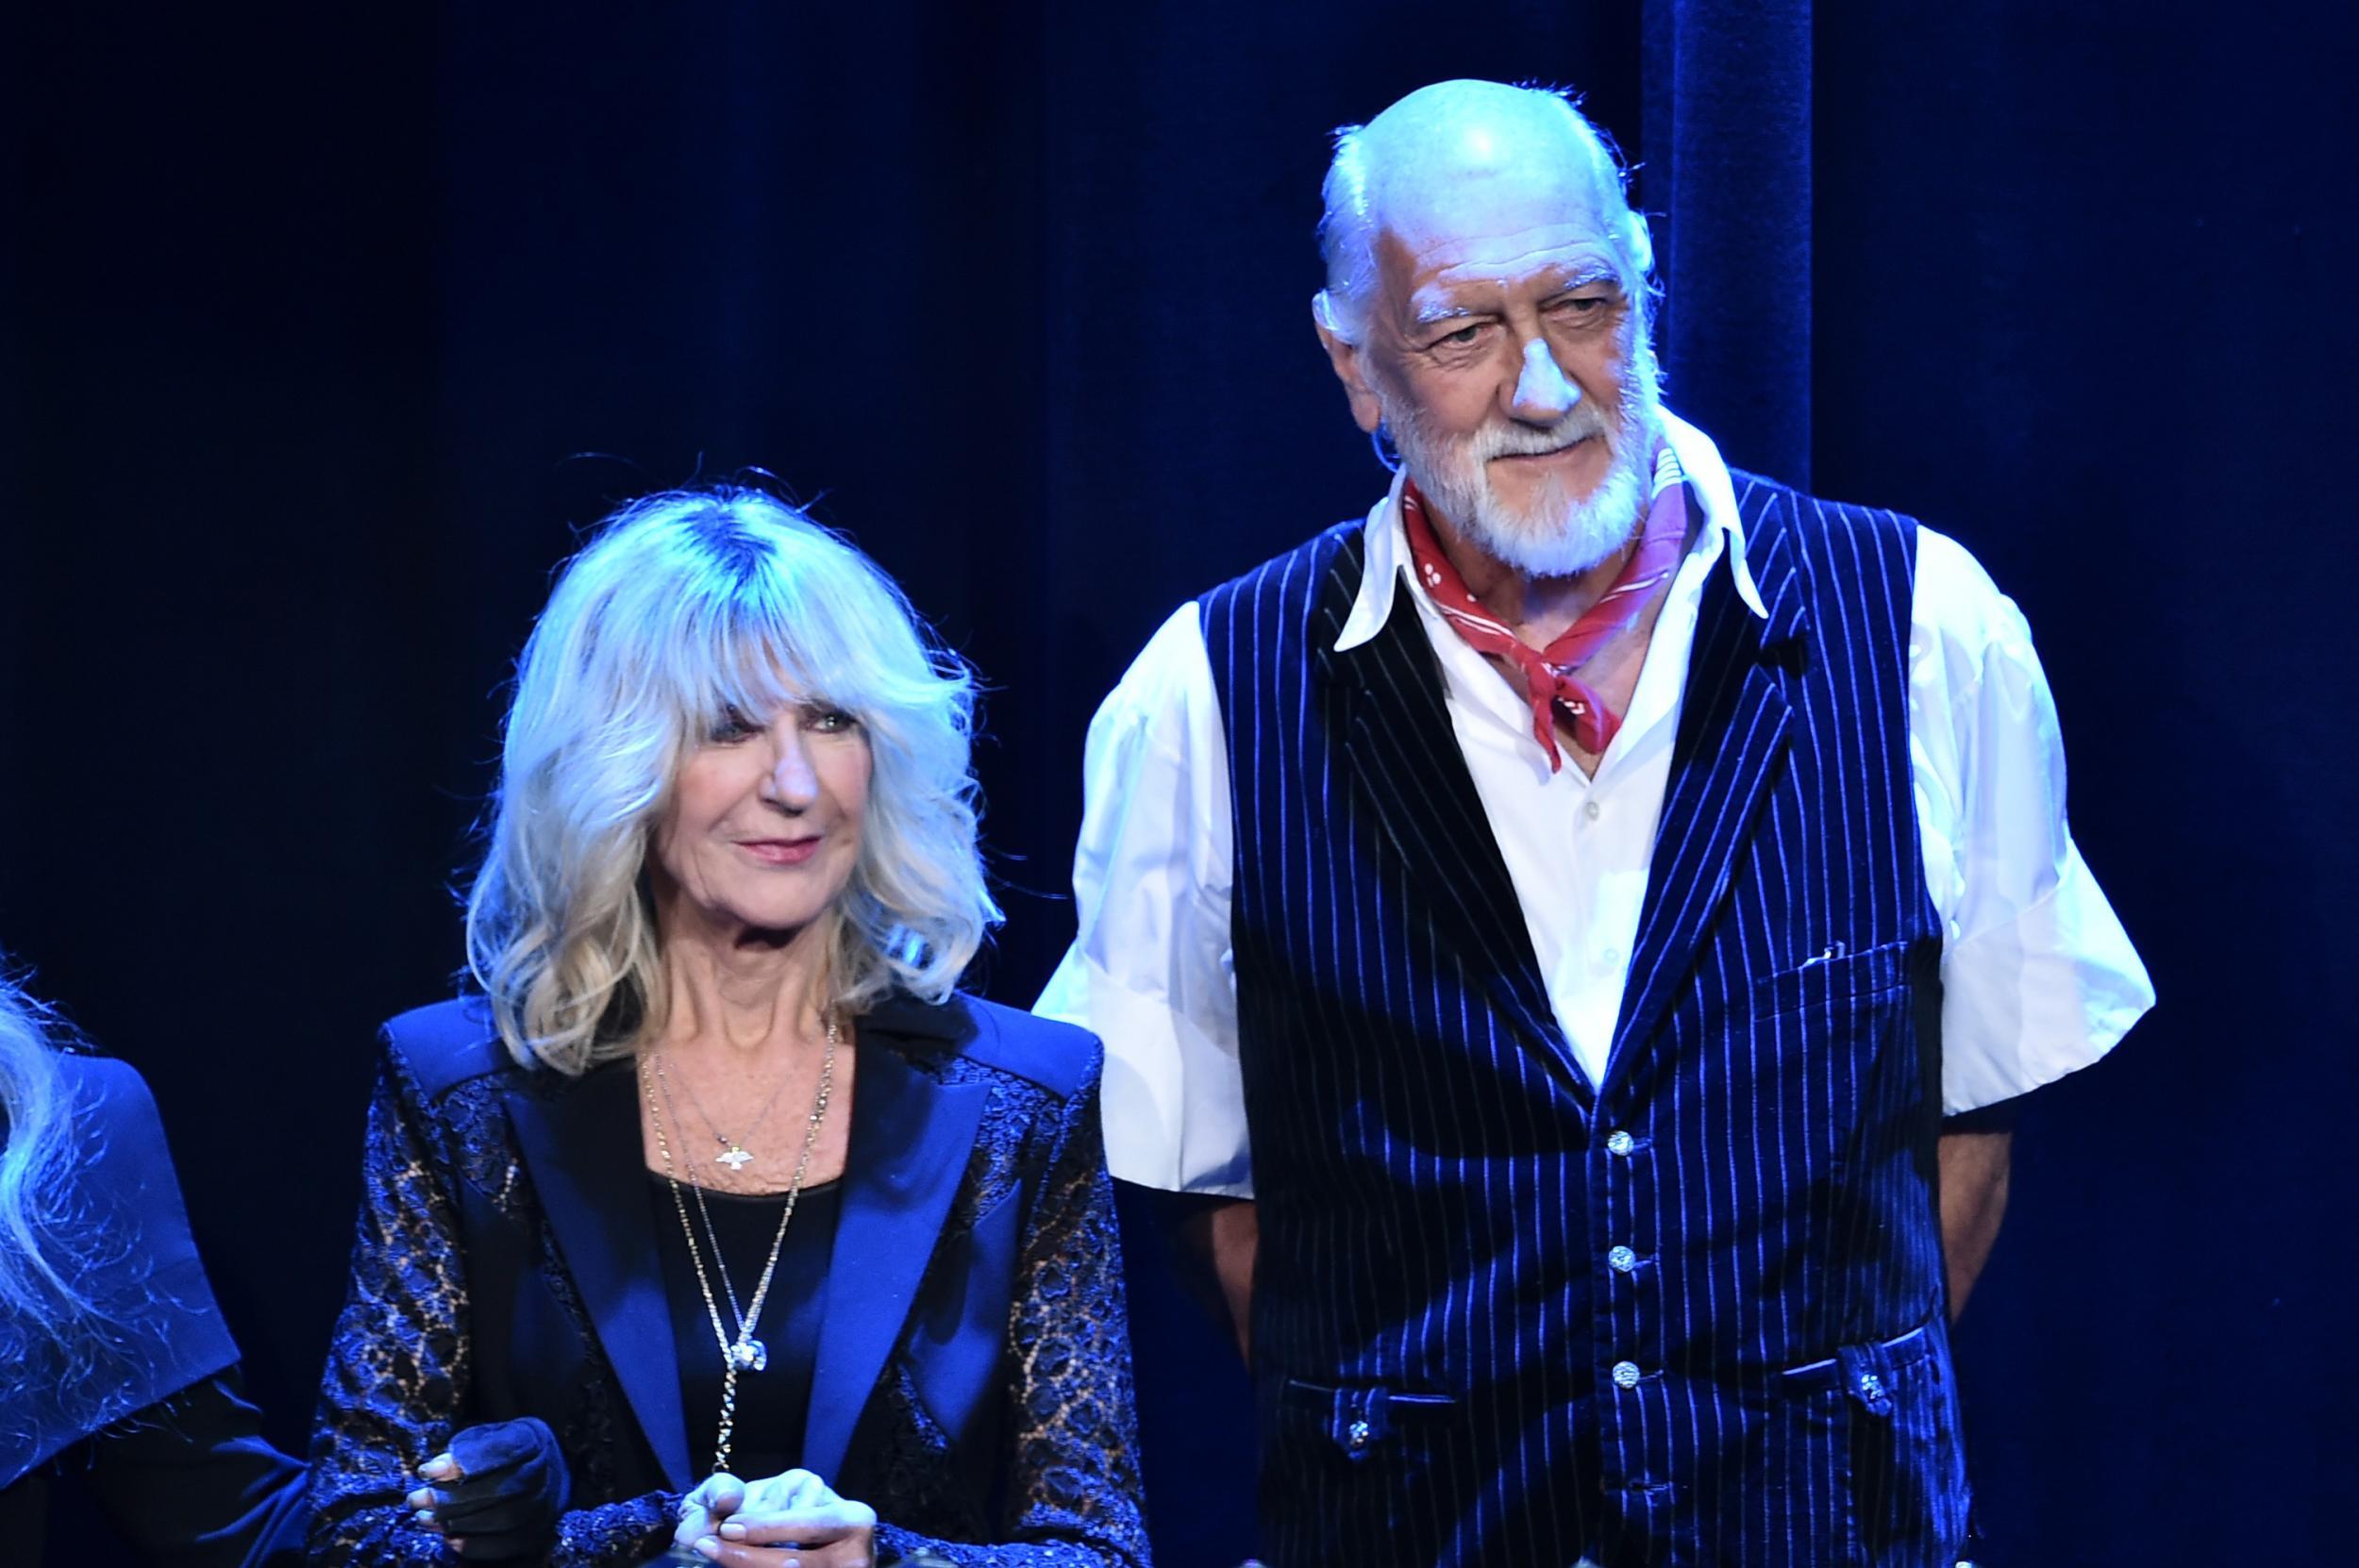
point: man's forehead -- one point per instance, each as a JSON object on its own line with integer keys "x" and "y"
{"x": 1431, "y": 261}
{"x": 1438, "y": 208}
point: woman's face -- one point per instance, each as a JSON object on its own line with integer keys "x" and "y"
{"x": 764, "y": 824}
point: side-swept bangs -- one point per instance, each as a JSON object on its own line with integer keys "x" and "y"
{"x": 684, "y": 608}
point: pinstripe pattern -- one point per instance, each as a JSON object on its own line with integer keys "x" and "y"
{"x": 1436, "y": 1320}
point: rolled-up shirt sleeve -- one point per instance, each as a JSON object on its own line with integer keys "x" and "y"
{"x": 2039, "y": 976}
{"x": 1149, "y": 968}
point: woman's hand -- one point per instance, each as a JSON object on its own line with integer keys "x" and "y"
{"x": 716, "y": 1498}
{"x": 496, "y": 1492}
{"x": 789, "y": 1521}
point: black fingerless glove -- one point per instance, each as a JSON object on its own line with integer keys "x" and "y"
{"x": 513, "y": 1486}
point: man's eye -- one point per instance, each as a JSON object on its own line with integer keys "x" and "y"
{"x": 1460, "y": 338}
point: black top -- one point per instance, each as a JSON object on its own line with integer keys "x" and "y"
{"x": 772, "y": 1404}
{"x": 155, "y": 1425}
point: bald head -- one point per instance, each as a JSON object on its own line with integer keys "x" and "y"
{"x": 1416, "y": 168}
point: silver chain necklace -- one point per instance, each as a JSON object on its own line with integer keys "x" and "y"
{"x": 734, "y": 1154}
{"x": 740, "y": 1351}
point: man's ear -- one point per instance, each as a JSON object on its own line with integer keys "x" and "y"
{"x": 1350, "y": 363}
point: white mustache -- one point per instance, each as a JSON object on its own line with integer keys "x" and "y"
{"x": 1520, "y": 441}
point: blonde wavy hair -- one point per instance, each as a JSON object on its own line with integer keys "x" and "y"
{"x": 684, "y": 607}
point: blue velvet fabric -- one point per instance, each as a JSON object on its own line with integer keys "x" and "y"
{"x": 145, "y": 1278}
{"x": 151, "y": 1422}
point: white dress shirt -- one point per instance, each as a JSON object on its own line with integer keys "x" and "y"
{"x": 2038, "y": 978}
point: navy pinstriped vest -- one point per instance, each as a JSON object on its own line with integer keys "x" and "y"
{"x": 1694, "y": 1316}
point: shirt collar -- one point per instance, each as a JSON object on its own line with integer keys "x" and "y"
{"x": 1723, "y": 532}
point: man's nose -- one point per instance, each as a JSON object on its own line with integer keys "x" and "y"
{"x": 1544, "y": 393}
{"x": 793, "y": 782}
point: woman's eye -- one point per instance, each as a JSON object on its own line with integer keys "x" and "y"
{"x": 832, "y": 721}
{"x": 732, "y": 727}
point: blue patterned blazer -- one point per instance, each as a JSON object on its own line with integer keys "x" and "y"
{"x": 972, "y": 1382}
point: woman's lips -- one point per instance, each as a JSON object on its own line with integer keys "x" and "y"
{"x": 781, "y": 852}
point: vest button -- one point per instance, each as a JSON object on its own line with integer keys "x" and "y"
{"x": 1624, "y": 1375}
{"x": 1621, "y": 1259}
{"x": 1620, "y": 1143}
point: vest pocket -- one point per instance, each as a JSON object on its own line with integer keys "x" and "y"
{"x": 1838, "y": 974}
{"x": 1897, "y": 1432}
{"x": 1361, "y": 1422}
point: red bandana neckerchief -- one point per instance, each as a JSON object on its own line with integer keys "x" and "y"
{"x": 1548, "y": 679}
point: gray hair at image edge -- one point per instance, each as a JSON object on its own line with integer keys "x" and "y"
{"x": 41, "y": 1299}
{"x": 1348, "y": 228}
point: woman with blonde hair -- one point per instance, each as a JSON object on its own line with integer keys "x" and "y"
{"x": 719, "y": 1175}
{"x": 120, "y": 1377}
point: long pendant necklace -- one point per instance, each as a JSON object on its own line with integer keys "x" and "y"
{"x": 761, "y": 1354}
{"x": 740, "y": 1352}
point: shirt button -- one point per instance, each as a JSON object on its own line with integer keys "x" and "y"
{"x": 1624, "y": 1375}
{"x": 1621, "y": 1259}
{"x": 1619, "y": 1142}
{"x": 1590, "y": 809}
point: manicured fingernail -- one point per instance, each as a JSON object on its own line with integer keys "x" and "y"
{"x": 422, "y": 1498}
{"x": 426, "y": 1516}
{"x": 708, "y": 1547}
{"x": 437, "y": 1467}
{"x": 734, "y": 1530}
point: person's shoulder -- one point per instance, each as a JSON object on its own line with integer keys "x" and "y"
{"x": 1959, "y": 607}
{"x": 446, "y": 1043}
{"x": 109, "y": 1095}
{"x": 117, "y": 1122}
{"x": 1765, "y": 503}
{"x": 1058, "y": 1058}
{"x": 1312, "y": 556}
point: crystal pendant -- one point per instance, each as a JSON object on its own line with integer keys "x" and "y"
{"x": 750, "y": 1355}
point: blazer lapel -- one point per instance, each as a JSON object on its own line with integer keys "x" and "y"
{"x": 596, "y": 1197}
{"x": 1398, "y": 739}
{"x": 910, "y": 1138}
{"x": 1731, "y": 748}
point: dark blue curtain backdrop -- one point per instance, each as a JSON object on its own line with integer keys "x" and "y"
{"x": 323, "y": 329}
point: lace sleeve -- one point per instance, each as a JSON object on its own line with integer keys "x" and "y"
{"x": 397, "y": 1384}
{"x": 1073, "y": 1496}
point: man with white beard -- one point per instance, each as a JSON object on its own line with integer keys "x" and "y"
{"x": 1568, "y": 928}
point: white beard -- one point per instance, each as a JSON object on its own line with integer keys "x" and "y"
{"x": 1555, "y": 533}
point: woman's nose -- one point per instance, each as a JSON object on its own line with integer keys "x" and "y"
{"x": 793, "y": 783}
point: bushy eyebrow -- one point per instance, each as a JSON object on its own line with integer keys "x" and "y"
{"x": 1438, "y": 312}
{"x": 1588, "y": 278}
{"x": 1442, "y": 311}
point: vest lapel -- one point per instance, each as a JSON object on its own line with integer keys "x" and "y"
{"x": 595, "y": 1198}
{"x": 1399, "y": 741}
{"x": 1730, "y": 749}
